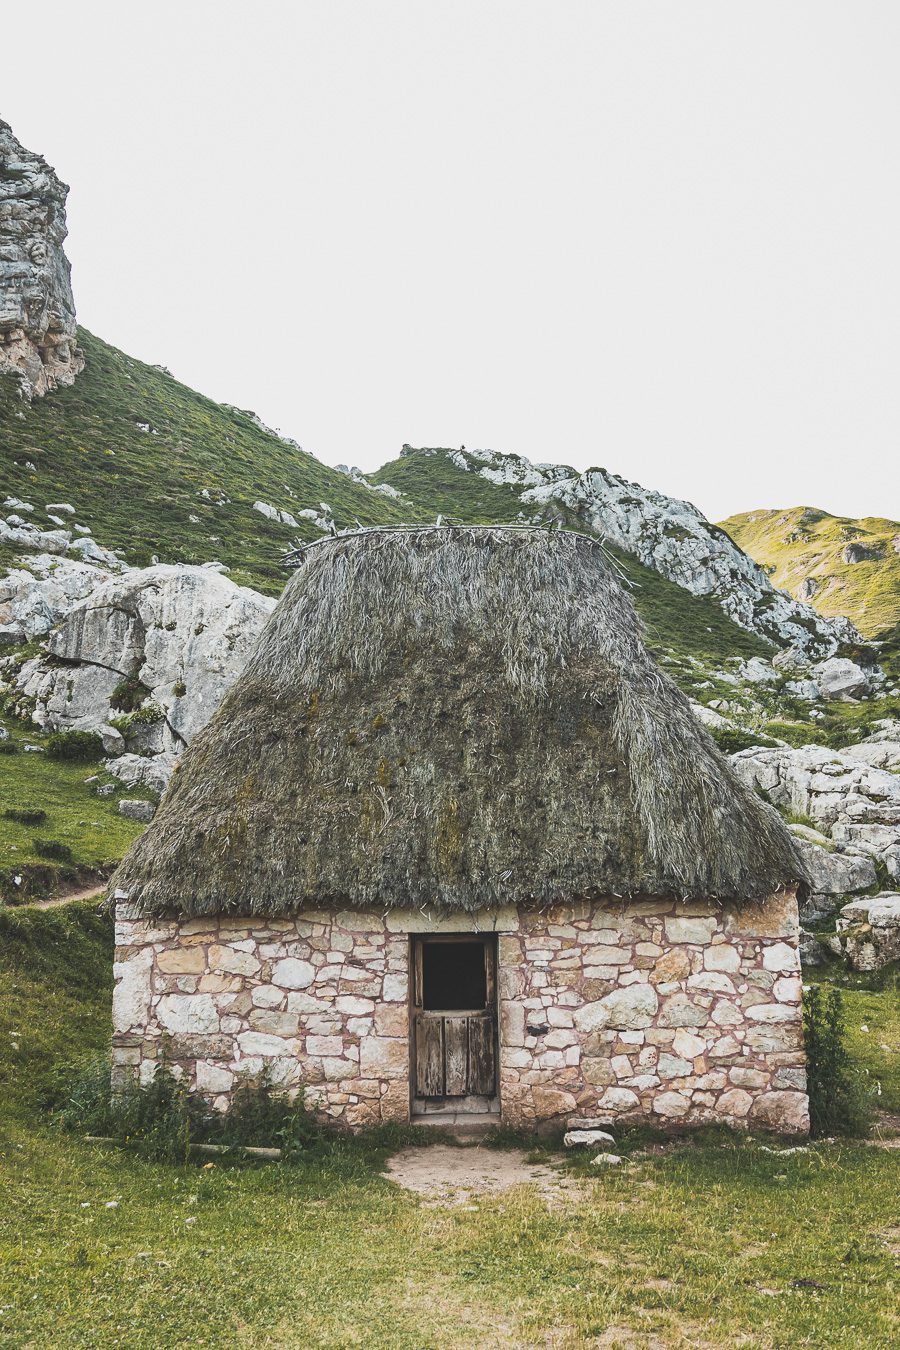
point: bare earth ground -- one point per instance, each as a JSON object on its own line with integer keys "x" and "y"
{"x": 455, "y": 1175}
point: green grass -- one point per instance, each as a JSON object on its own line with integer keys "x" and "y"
{"x": 687, "y": 624}
{"x": 138, "y": 490}
{"x": 873, "y": 1002}
{"x": 76, "y": 818}
{"x": 803, "y": 542}
{"x": 720, "y": 1243}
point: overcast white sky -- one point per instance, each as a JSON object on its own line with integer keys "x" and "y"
{"x": 661, "y": 237}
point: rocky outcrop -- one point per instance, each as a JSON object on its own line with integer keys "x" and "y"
{"x": 153, "y": 650}
{"x": 853, "y": 797}
{"x": 666, "y": 534}
{"x": 35, "y": 598}
{"x": 868, "y": 931}
{"x": 835, "y": 788}
{"x": 857, "y": 553}
{"x": 37, "y": 311}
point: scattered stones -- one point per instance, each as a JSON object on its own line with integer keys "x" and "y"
{"x": 273, "y": 513}
{"x": 606, "y": 1160}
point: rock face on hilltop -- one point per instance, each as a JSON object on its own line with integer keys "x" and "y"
{"x": 37, "y": 311}
{"x": 668, "y": 535}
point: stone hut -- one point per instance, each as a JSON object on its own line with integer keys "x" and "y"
{"x": 453, "y": 843}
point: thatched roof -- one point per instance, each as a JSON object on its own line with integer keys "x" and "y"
{"x": 457, "y": 717}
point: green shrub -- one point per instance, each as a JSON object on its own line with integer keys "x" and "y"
{"x": 128, "y": 694}
{"x": 78, "y": 745}
{"x": 8, "y": 747}
{"x": 732, "y": 739}
{"x": 795, "y": 733}
{"x": 162, "y": 1119}
{"x": 179, "y": 688}
{"x": 261, "y": 1115}
{"x": 52, "y": 848}
{"x": 25, "y": 815}
{"x": 146, "y": 715}
{"x": 839, "y": 1102}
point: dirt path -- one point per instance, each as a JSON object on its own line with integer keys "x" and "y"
{"x": 87, "y": 894}
{"x": 455, "y": 1176}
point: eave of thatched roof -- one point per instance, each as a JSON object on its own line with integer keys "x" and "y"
{"x": 454, "y": 717}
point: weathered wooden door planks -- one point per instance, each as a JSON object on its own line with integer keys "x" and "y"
{"x": 456, "y": 1056}
{"x": 429, "y": 1057}
{"x": 482, "y": 1072}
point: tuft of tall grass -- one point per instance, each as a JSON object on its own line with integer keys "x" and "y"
{"x": 162, "y": 1118}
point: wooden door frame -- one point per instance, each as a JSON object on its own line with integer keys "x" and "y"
{"x": 416, "y": 994}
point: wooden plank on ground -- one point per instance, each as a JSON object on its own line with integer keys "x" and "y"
{"x": 429, "y": 1056}
{"x": 456, "y": 1055}
{"x": 482, "y": 1068}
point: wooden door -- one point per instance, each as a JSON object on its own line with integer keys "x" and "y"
{"x": 454, "y": 1017}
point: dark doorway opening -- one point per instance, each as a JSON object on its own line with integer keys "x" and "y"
{"x": 453, "y": 976}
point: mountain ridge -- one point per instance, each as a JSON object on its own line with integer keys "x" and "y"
{"x": 837, "y": 563}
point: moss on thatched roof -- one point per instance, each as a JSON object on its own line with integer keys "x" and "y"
{"x": 457, "y": 717}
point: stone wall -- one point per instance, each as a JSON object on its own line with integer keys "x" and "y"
{"x": 677, "y": 1013}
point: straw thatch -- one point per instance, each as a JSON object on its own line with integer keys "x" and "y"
{"x": 460, "y": 717}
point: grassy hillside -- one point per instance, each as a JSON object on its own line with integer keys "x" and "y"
{"x": 690, "y": 625}
{"x": 721, "y": 1242}
{"x": 142, "y": 491}
{"x": 811, "y": 554}
{"x": 80, "y": 834}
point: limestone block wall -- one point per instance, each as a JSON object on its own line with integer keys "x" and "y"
{"x": 683, "y": 1013}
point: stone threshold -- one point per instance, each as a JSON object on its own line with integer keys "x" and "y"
{"x": 461, "y": 1125}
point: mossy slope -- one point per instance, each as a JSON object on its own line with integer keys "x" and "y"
{"x": 142, "y": 491}
{"x": 183, "y": 490}
{"x": 804, "y": 544}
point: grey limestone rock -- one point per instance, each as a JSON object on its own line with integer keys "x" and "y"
{"x": 37, "y": 311}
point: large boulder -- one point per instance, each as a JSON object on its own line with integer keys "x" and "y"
{"x": 840, "y": 678}
{"x": 35, "y": 598}
{"x": 141, "y": 771}
{"x": 836, "y": 873}
{"x": 833, "y": 879}
{"x": 868, "y": 931}
{"x": 183, "y": 632}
